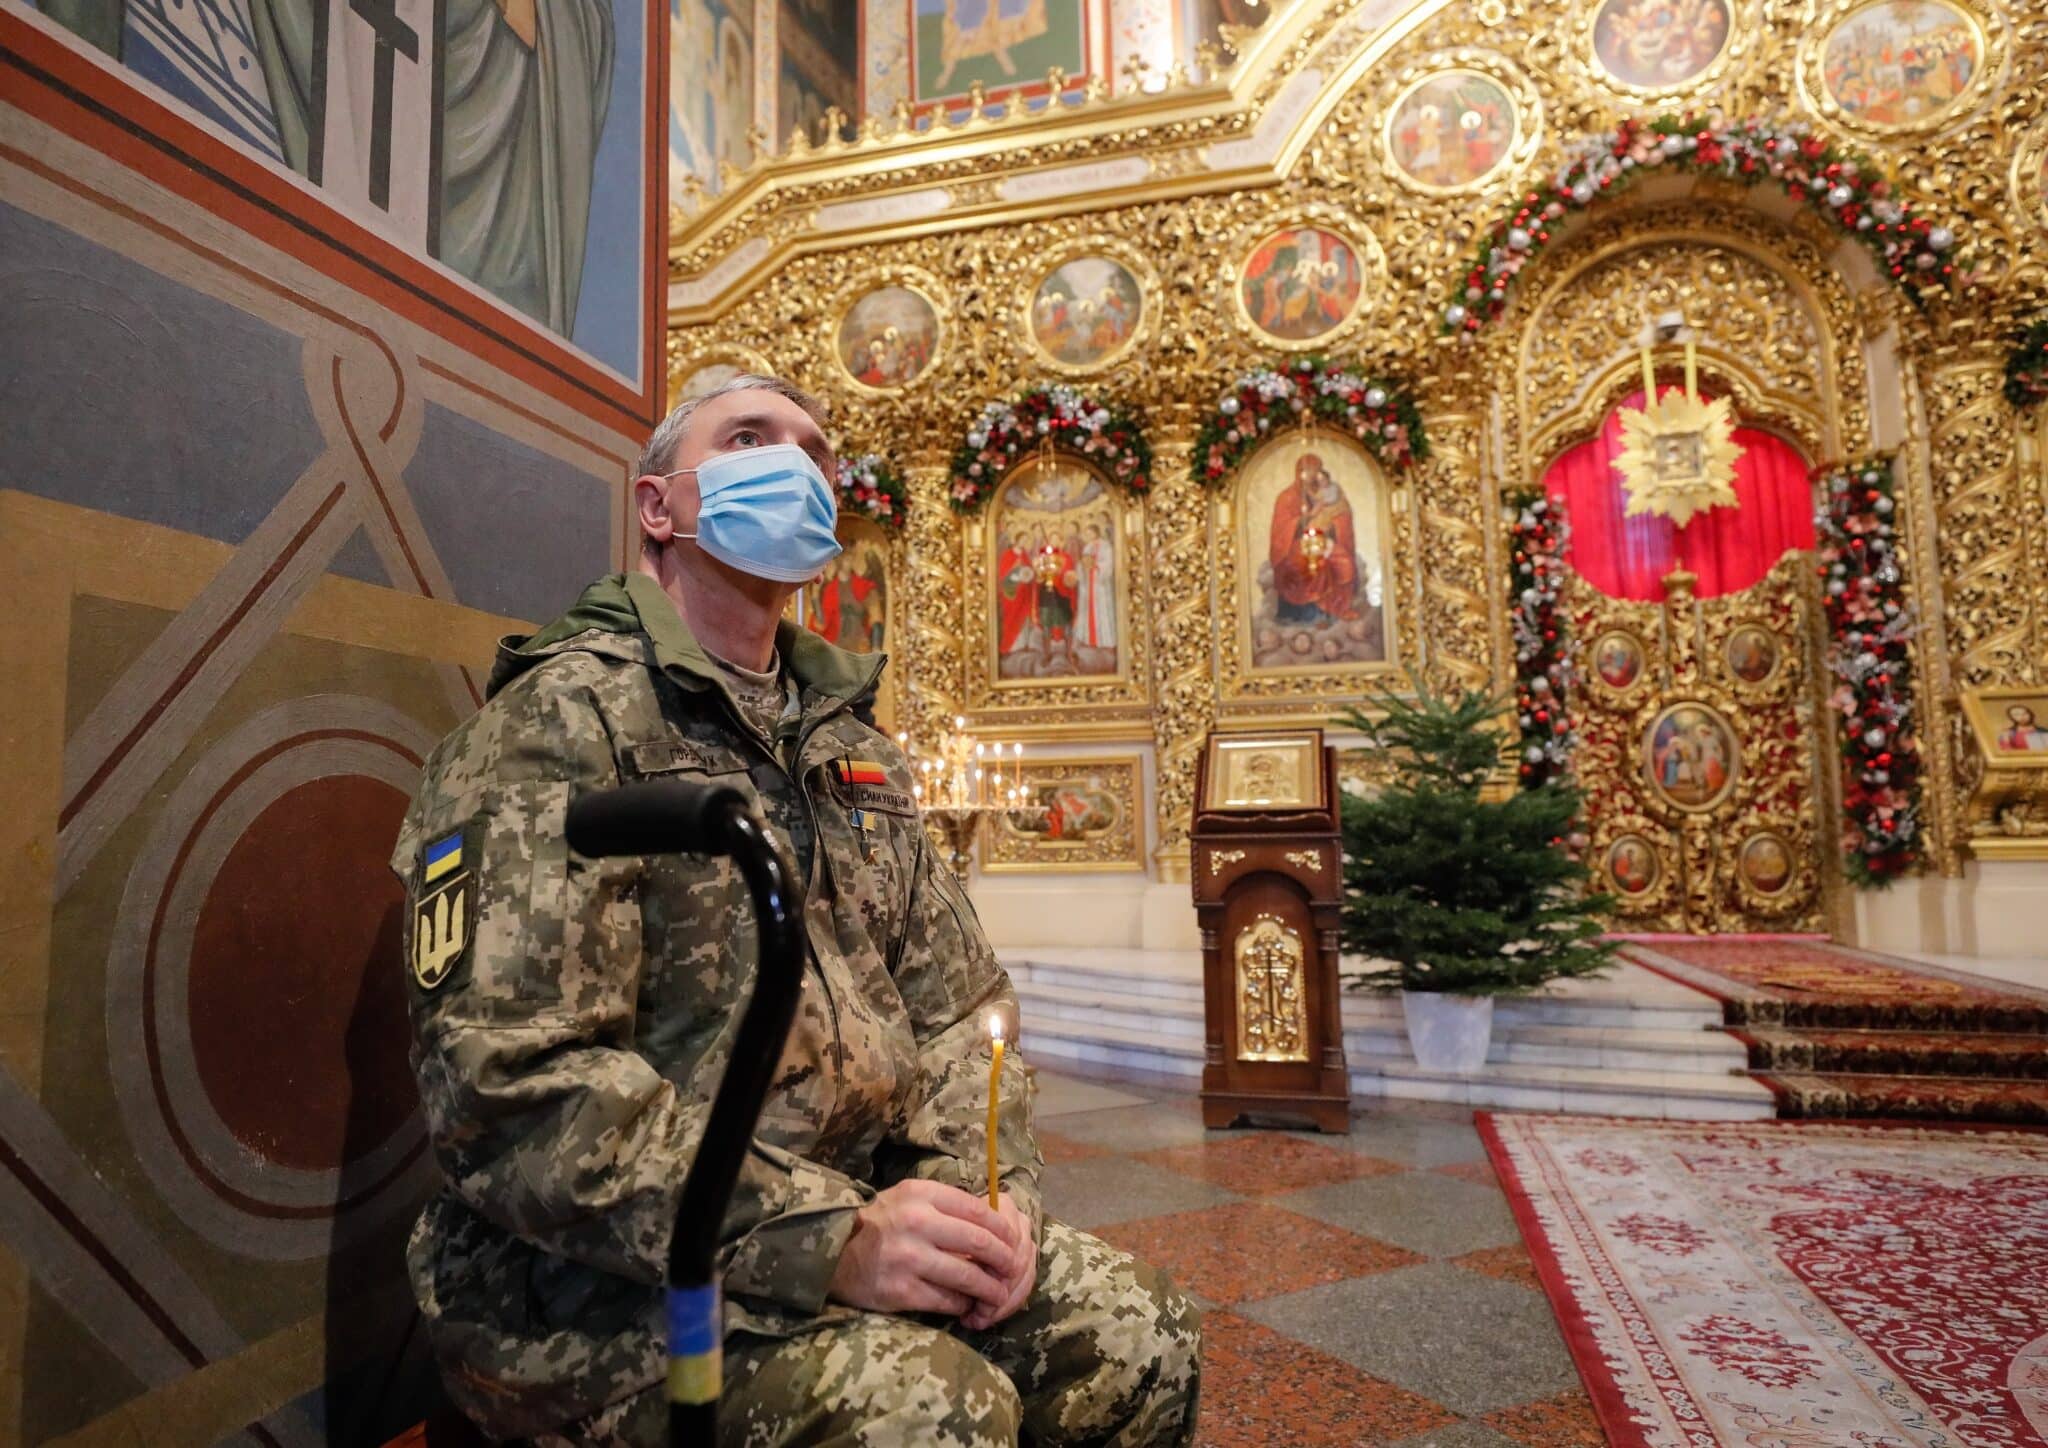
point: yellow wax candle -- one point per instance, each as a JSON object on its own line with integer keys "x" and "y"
{"x": 995, "y": 1101}
{"x": 1692, "y": 366}
{"x": 1649, "y": 381}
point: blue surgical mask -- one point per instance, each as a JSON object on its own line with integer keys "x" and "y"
{"x": 767, "y": 511}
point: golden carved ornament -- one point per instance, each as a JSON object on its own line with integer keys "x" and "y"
{"x": 1304, "y": 859}
{"x": 1272, "y": 992}
{"x": 1221, "y": 860}
{"x": 1678, "y": 457}
{"x": 1771, "y": 756}
{"x": 683, "y": 366}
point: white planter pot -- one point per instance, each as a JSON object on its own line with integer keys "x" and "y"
{"x": 1448, "y": 1032}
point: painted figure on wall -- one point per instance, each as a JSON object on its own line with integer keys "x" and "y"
{"x": 1452, "y": 129}
{"x": 819, "y": 66}
{"x": 848, "y": 604}
{"x": 2022, "y": 735}
{"x": 1691, "y": 756}
{"x": 1076, "y": 809}
{"x": 1900, "y": 62}
{"x": 1315, "y": 538}
{"x": 995, "y": 42}
{"x": 1659, "y": 43}
{"x": 468, "y": 130}
{"x": 1618, "y": 660}
{"x": 711, "y": 88}
{"x": 1632, "y": 864}
{"x": 887, "y": 337}
{"x": 1766, "y": 863}
{"x": 1056, "y": 564}
{"x": 1300, "y": 283}
{"x": 1086, "y": 310}
{"x": 1752, "y": 655}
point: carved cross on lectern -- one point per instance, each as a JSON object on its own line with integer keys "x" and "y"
{"x": 393, "y": 36}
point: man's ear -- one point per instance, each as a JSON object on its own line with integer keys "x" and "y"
{"x": 650, "y": 501}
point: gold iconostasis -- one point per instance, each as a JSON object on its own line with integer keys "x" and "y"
{"x": 1211, "y": 403}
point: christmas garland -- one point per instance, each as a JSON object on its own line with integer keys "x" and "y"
{"x": 1006, "y": 433}
{"x": 869, "y": 487}
{"x": 1543, "y": 663}
{"x": 1379, "y": 414}
{"x": 1843, "y": 186}
{"x": 2026, "y": 370}
{"x": 1868, "y": 629}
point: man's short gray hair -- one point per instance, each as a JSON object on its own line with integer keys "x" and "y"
{"x": 659, "y": 456}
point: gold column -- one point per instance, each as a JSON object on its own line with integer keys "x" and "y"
{"x": 1991, "y": 546}
{"x": 929, "y": 672}
{"x": 1183, "y": 631}
{"x": 1456, "y": 619}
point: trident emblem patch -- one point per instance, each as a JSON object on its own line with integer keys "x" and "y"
{"x": 440, "y": 925}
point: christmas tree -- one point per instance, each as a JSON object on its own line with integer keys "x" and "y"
{"x": 1471, "y": 895}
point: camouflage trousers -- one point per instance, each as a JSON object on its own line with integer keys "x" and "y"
{"x": 1105, "y": 1351}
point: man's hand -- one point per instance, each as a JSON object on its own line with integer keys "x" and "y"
{"x": 923, "y": 1246}
{"x": 1021, "y": 1277}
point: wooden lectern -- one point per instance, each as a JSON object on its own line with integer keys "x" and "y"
{"x": 1267, "y": 867}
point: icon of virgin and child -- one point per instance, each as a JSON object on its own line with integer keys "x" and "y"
{"x": 1056, "y": 569}
{"x": 1318, "y": 594}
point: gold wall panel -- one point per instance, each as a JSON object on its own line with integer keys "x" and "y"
{"x": 1794, "y": 322}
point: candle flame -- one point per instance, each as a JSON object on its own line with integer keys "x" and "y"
{"x": 995, "y": 1027}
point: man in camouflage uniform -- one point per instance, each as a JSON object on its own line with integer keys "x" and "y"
{"x": 572, "y": 1019}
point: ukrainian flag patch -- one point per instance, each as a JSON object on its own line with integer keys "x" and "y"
{"x": 443, "y": 857}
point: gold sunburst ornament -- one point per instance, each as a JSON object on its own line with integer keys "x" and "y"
{"x": 1678, "y": 454}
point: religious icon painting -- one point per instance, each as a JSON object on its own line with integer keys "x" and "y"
{"x": 1452, "y": 130}
{"x": 1632, "y": 865}
{"x": 1655, "y": 45}
{"x": 1086, "y": 312}
{"x": 2011, "y": 725}
{"x": 1618, "y": 660}
{"x": 848, "y": 603}
{"x": 1301, "y": 283}
{"x": 1078, "y": 814}
{"x": 1058, "y": 567}
{"x": 1691, "y": 757}
{"x": 1752, "y": 654}
{"x": 1901, "y": 64}
{"x": 888, "y": 337}
{"x": 1314, "y": 550}
{"x": 1766, "y": 862}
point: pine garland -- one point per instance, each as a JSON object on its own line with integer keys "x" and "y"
{"x": 1264, "y": 402}
{"x": 1006, "y": 433}
{"x": 2026, "y": 368}
{"x": 870, "y": 488}
{"x": 1869, "y": 630}
{"x": 1845, "y": 186}
{"x": 1543, "y": 651}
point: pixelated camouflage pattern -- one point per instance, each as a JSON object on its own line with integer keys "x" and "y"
{"x": 1105, "y": 1352}
{"x": 566, "y": 1068}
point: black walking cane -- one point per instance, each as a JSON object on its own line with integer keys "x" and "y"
{"x": 671, "y": 817}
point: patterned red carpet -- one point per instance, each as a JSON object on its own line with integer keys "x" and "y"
{"x": 1800, "y": 1284}
{"x": 1840, "y": 1032}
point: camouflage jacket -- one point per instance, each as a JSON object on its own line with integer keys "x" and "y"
{"x": 571, "y": 1017}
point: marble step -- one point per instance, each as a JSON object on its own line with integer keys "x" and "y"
{"x": 1630, "y": 999}
{"x": 1680, "y": 1094}
{"x": 1371, "y": 1031}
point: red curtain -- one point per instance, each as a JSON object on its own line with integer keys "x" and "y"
{"x": 1729, "y": 548}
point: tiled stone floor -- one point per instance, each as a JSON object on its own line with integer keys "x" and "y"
{"x": 1363, "y": 1289}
